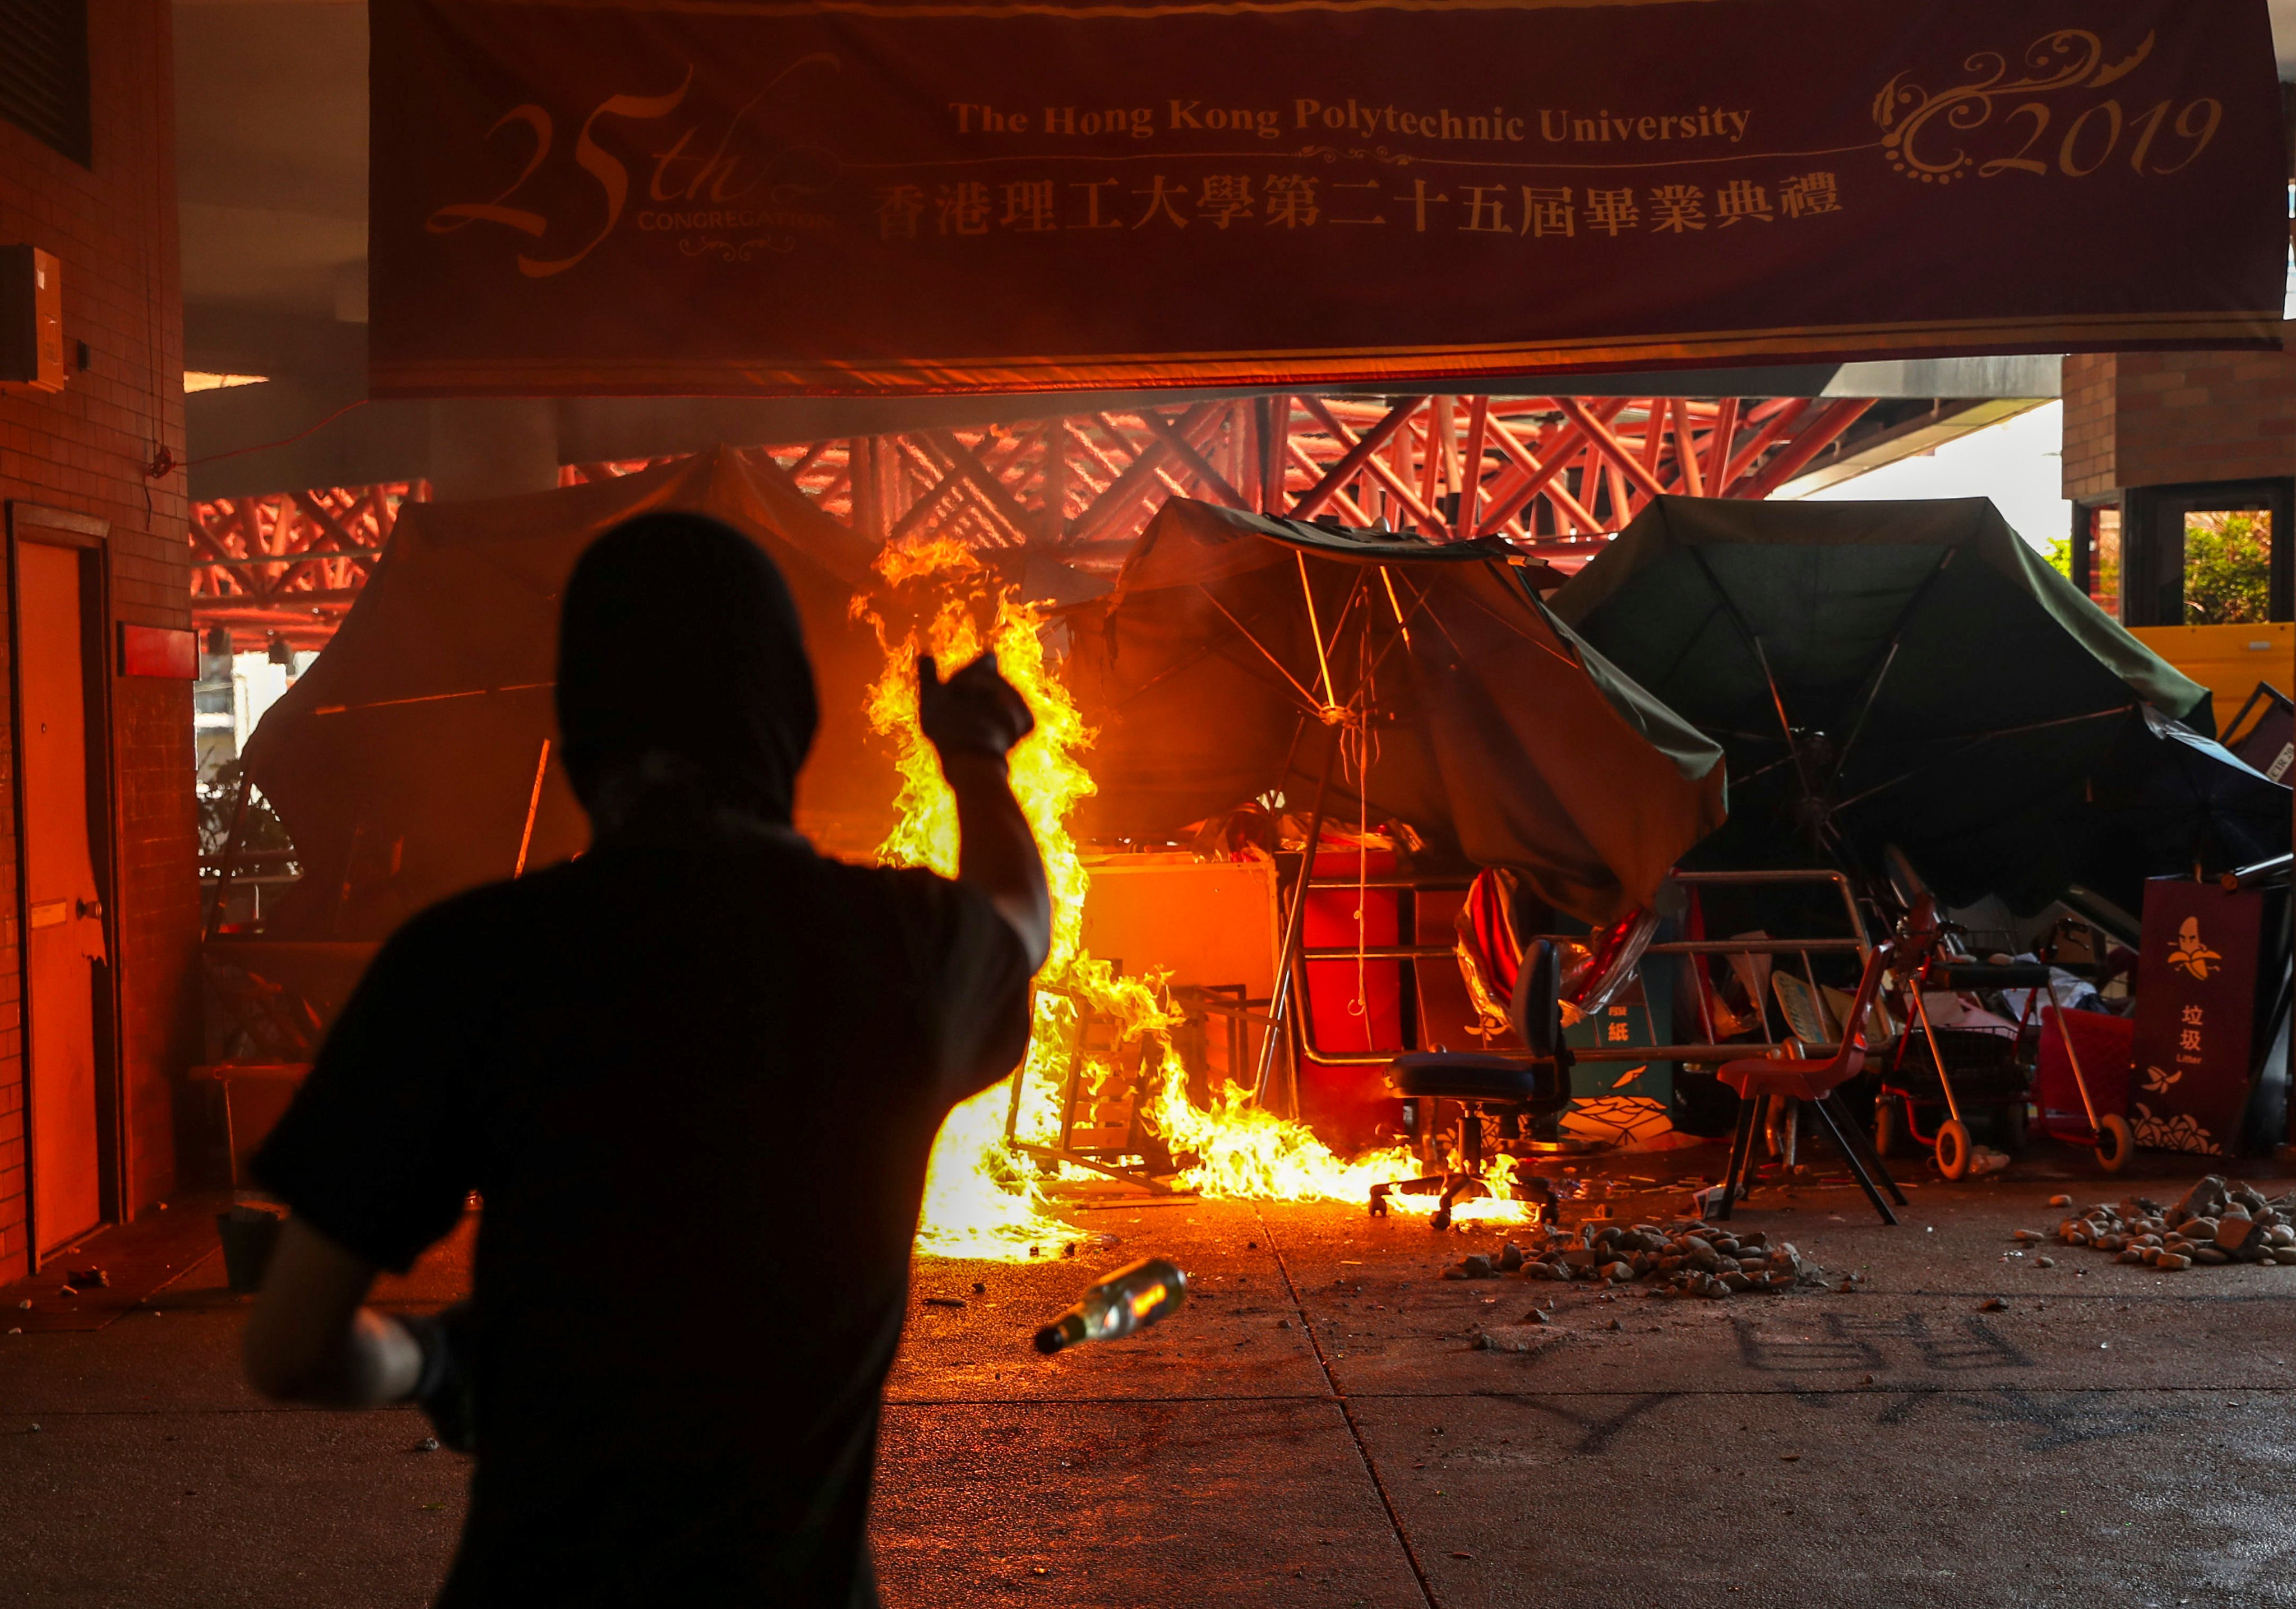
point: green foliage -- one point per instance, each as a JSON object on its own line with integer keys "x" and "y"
{"x": 2227, "y": 568}
{"x": 2060, "y": 555}
{"x": 219, "y": 804}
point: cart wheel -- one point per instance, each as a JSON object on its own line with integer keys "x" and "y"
{"x": 2114, "y": 1142}
{"x": 1952, "y": 1148}
{"x": 1887, "y": 1126}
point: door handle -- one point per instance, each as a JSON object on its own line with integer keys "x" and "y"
{"x": 91, "y": 910}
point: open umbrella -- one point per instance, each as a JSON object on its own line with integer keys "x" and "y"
{"x": 1239, "y": 653}
{"x": 416, "y": 758}
{"x": 1907, "y": 673}
{"x": 2167, "y": 800}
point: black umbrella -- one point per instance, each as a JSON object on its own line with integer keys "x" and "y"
{"x": 1915, "y": 674}
{"x": 2169, "y": 800}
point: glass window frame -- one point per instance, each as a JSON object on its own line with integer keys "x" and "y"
{"x": 2153, "y": 543}
{"x": 2085, "y": 511}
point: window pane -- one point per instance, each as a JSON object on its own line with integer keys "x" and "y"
{"x": 2227, "y": 567}
{"x": 2105, "y": 558}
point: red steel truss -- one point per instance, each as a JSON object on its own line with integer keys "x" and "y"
{"x": 1557, "y": 476}
{"x": 289, "y": 565}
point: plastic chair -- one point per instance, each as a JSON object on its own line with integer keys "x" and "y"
{"x": 1530, "y": 1088}
{"x": 1818, "y": 1082}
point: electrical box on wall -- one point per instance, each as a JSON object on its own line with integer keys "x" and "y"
{"x": 31, "y": 318}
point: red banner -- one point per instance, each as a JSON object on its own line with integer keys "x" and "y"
{"x": 752, "y": 196}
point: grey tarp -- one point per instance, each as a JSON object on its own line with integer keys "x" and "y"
{"x": 1234, "y": 642}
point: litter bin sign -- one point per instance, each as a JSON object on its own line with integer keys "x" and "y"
{"x": 2195, "y": 1015}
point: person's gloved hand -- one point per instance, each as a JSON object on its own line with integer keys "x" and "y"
{"x": 975, "y": 711}
{"x": 443, "y": 1390}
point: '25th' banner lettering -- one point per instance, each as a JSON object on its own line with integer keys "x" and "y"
{"x": 880, "y": 196}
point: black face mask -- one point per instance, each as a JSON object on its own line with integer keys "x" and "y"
{"x": 682, "y": 673}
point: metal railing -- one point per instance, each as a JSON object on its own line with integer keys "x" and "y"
{"x": 1857, "y": 942}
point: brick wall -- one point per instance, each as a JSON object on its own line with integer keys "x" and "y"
{"x": 2090, "y": 423}
{"x": 2163, "y": 418}
{"x": 113, "y": 228}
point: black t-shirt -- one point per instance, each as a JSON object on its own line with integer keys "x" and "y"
{"x": 696, "y": 1084}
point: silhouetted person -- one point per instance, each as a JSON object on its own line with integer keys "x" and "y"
{"x": 695, "y": 1075}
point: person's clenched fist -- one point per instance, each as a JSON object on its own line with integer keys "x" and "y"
{"x": 976, "y": 710}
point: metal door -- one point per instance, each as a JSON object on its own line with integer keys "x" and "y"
{"x": 64, "y": 917}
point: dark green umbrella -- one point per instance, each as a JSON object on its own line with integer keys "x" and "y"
{"x": 1908, "y": 673}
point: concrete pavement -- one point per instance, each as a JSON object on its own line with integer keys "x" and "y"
{"x": 1317, "y": 1428}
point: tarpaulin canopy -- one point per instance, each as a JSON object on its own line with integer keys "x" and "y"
{"x": 675, "y": 197}
{"x": 1909, "y": 673}
{"x": 408, "y": 762}
{"x": 1236, "y": 645}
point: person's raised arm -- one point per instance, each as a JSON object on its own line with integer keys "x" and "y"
{"x": 973, "y": 718}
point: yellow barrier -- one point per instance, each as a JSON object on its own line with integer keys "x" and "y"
{"x": 2229, "y": 660}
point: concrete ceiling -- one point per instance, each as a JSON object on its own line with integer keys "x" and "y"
{"x": 271, "y": 157}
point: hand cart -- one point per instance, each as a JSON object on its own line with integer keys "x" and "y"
{"x": 1989, "y": 1066}
{"x": 1992, "y": 1068}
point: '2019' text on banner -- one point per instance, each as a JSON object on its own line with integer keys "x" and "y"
{"x": 889, "y": 196}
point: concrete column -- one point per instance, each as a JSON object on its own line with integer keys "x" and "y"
{"x": 492, "y": 447}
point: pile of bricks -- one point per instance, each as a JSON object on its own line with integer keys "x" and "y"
{"x": 2217, "y": 1222}
{"x": 1689, "y": 1258}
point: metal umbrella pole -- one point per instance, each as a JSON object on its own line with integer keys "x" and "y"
{"x": 1287, "y": 954}
{"x": 2072, "y": 1060}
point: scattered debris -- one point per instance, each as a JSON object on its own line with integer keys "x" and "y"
{"x": 979, "y": 1288}
{"x": 1993, "y": 1304}
{"x": 944, "y": 1301}
{"x": 2218, "y": 1221}
{"x": 2045, "y": 1262}
{"x": 1688, "y": 1258}
{"x": 1506, "y": 1338}
{"x": 2060, "y": 1201}
{"x": 428, "y": 1444}
{"x": 87, "y": 1279}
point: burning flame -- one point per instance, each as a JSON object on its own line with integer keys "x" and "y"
{"x": 983, "y": 1197}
